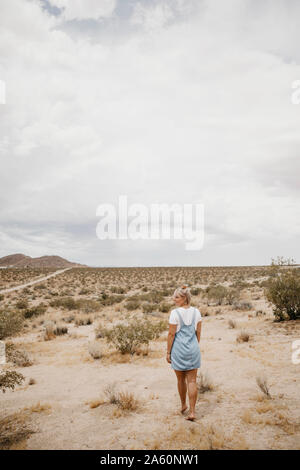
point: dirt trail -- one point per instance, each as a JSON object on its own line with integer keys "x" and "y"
{"x": 36, "y": 281}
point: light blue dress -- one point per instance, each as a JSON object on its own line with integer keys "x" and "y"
{"x": 185, "y": 352}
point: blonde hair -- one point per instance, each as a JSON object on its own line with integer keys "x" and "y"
{"x": 185, "y": 292}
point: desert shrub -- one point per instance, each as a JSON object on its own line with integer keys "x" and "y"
{"x": 263, "y": 385}
{"x": 204, "y": 383}
{"x": 259, "y": 313}
{"x": 158, "y": 328}
{"x": 111, "y": 393}
{"x": 49, "y": 330}
{"x": 16, "y": 356}
{"x": 10, "y": 379}
{"x": 154, "y": 297}
{"x": 132, "y": 305}
{"x": 84, "y": 292}
{"x": 35, "y": 311}
{"x": 60, "y": 330}
{"x": 68, "y": 303}
{"x": 107, "y": 300}
{"x": 10, "y": 323}
{"x": 243, "y": 337}
{"x": 83, "y": 321}
{"x": 124, "y": 400}
{"x": 165, "y": 307}
{"x": 284, "y": 293}
{"x": 231, "y": 323}
{"x": 88, "y": 305}
{"x": 95, "y": 350}
{"x": 13, "y": 428}
{"x": 216, "y": 294}
{"x": 118, "y": 290}
{"x": 127, "y": 401}
{"x": 128, "y": 337}
{"x": 22, "y": 304}
{"x": 196, "y": 290}
{"x": 69, "y": 319}
{"x": 149, "y": 308}
{"x": 1, "y": 297}
{"x": 242, "y": 306}
{"x": 65, "y": 302}
{"x": 232, "y": 295}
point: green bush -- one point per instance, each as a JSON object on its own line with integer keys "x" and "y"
{"x": 128, "y": 337}
{"x": 10, "y": 323}
{"x": 284, "y": 293}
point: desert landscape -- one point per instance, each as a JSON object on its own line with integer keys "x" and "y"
{"x": 90, "y": 346}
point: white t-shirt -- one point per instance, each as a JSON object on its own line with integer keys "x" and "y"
{"x": 186, "y": 315}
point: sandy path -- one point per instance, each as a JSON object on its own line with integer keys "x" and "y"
{"x": 36, "y": 281}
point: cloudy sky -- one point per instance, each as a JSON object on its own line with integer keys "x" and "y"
{"x": 165, "y": 101}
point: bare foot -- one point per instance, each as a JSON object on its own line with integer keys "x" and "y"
{"x": 190, "y": 417}
{"x": 184, "y": 407}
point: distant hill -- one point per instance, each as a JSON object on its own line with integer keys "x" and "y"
{"x": 19, "y": 260}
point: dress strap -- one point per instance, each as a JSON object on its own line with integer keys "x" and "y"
{"x": 180, "y": 318}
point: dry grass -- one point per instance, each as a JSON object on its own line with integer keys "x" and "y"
{"x": 40, "y": 408}
{"x": 13, "y": 429}
{"x": 262, "y": 383}
{"x": 243, "y": 337}
{"x": 125, "y": 400}
{"x": 204, "y": 383}
{"x": 192, "y": 436}
{"x": 231, "y": 323}
{"x": 96, "y": 403}
{"x": 95, "y": 350}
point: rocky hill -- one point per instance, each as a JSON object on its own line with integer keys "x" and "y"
{"x": 19, "y": 260}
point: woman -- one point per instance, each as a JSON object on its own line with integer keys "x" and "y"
{"x": 183, "y": 351}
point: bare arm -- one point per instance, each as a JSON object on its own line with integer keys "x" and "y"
{"x": 171, "y": 336}
{"x": 198, "y": 331}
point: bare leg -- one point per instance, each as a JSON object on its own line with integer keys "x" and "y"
{"x": 191, "y": 376}
{"x": 181, "y": 385}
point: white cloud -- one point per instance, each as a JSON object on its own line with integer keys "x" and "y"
{"x": 192, "y": 105}
{"x": 83, "y": 9}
